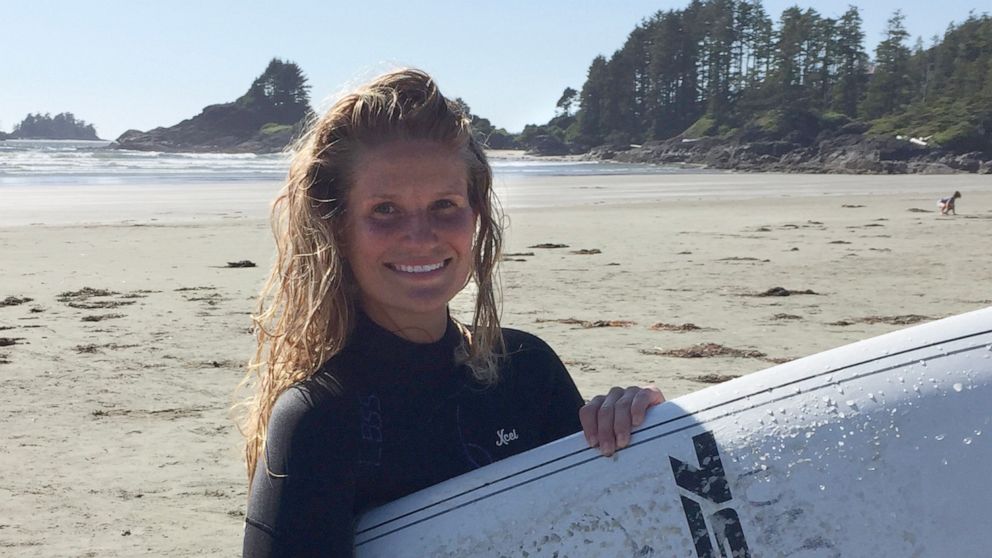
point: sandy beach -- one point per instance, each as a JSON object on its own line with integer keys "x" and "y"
{"x": 123, "y": 332}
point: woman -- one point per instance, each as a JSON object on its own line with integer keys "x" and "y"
{"x": 365, "y": 388}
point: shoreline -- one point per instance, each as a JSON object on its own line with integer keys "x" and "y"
{"x": 220, "y": 201}
{"x": 835, "y": 153}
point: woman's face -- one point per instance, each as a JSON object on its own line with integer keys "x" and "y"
{"x": 408, "y": 233}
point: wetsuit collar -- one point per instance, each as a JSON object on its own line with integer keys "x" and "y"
{"x": 374, "y": 340}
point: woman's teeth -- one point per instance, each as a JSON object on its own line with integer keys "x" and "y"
{"x": 418, "y": 268}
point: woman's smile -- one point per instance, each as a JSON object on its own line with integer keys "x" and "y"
{"x": 418, "y": 269}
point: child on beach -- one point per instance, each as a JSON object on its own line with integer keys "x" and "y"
{"x": 946, "y": 205}
{"x": 365, "y": 387}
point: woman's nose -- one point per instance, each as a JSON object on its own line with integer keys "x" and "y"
{"x": 420, "y": 227}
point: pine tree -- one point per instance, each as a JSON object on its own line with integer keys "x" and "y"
{"x": 281, "y": 93}
{"x": 890, "y": 88}
{"x": 592, "y": 100}
{"x": 785, "y": 82}
{"x": 852, "y": 73}
{"x": 566, "y": 101}
{"x": 721, "y": 35}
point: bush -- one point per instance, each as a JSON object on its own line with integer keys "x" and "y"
{"x": 855, "y": 127}
{"x": 889, "y": 125}
{"x": 705, "y": 126}
{"x": 962, "y": 137}
{"x": 834, "y": 120}
{"x": 500, "y": 139}
{"x": 273, "y": 128}
{"x": 770, "y": 121}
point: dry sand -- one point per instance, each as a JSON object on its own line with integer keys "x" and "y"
{"x": 117, "y": 440}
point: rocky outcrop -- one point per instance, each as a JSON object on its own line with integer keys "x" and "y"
{"x": 851, "y": 153}
{"x": 223, "y": 128}
{"x": 263, "y": 120}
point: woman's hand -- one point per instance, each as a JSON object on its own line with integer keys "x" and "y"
{"x": 607, "y": 420}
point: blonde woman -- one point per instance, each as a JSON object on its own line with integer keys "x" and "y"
{"x": 365, "y": 388}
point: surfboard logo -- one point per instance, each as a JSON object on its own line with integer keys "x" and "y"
{"x": 707, "y": 486}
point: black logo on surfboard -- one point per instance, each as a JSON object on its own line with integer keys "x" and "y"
{"x": 708, "y": 484}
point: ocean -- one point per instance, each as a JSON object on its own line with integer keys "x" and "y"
{"x": 27, "y": 162}
{"x": 72, "y": 182}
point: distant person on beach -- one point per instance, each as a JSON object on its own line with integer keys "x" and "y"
{"x": 946, "y": 205}
{"x": 365, "y": 388}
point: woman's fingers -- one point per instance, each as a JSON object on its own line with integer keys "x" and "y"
{"x": 587, "y": 416}
{"x": 646, "y": 397}
{"x": 622, "y": 420}
{"x": 596, "y": 417}
{"x": 607, "y": 420}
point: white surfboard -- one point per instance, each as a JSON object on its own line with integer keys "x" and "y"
{"x": 882, "y": 448}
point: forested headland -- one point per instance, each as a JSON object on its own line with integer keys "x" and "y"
{"x": 273, "y": 111}
{"x": 62, "y": 126}
{"x": 720, "y": 83}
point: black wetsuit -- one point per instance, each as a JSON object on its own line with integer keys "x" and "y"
{"x": 387, "y": 417}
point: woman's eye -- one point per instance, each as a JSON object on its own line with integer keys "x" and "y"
{"x": 384, "y": 209}
{"x": 444, "y": 204}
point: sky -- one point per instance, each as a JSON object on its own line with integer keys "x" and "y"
{"x": 139, "y": 64}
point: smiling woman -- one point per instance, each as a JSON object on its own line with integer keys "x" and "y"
{"x": 409, "y": 228}
{"x": 365, "y": 388}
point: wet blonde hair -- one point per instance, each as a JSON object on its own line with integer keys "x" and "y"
{"x": 307, "y": 307}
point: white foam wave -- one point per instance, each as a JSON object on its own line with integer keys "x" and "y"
{"x": 85, "y": 162}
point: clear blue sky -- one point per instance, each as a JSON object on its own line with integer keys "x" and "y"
{"x": 141, "y": 64}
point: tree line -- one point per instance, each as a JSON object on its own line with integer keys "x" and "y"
{"x": 61, "y": 126}
{"x": 724, "y": 68}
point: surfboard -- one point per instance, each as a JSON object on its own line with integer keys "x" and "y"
{"x": 878, "y": 448}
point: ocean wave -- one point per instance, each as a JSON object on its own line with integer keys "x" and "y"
{"x": 26, "y": 161}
